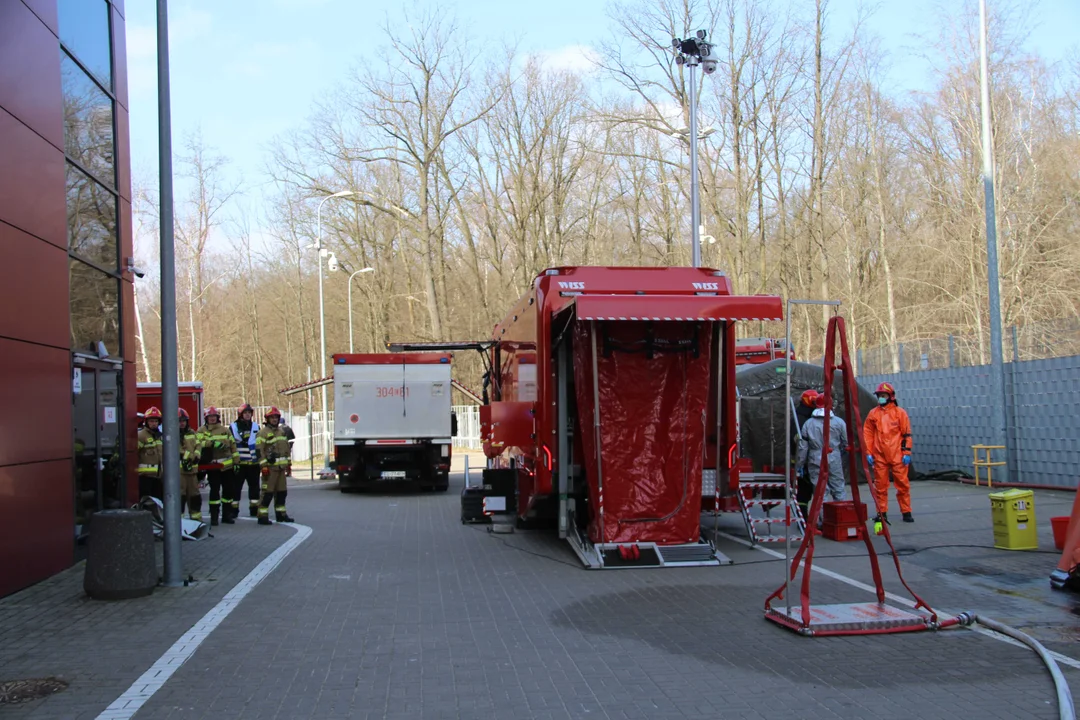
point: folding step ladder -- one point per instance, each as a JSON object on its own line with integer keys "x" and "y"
{"x": 760, "y": 486}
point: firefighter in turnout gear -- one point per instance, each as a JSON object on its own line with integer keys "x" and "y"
{"x": 150, "y": 451}
{"x": 887, "y": 434}
{"x": 273, "y": 447}
{"x": 217, "y": 453}
{"x": 244, "y": 432}
{"x": 189, "y": 463}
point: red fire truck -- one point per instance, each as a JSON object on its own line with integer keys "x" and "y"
{"x": 190, "y": 398}
{"x": 610, "y": 402}
{"x": 755, "y": 351}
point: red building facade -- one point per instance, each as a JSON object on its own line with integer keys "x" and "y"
{"x": 67, "y": 344}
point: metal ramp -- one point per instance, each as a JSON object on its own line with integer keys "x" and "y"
{"x": 611, "y": 556}
{"x": 767, "y": 494}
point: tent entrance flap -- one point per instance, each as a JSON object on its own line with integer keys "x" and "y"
{"x": 641, "y": 390}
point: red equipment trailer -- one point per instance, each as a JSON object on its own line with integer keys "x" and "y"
{"x": 612, "y": 395}
{"x": 756, "y": 351}
{"x": 190, "y": 398}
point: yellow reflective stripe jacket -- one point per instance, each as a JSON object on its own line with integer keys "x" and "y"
{"x": 209, "y": 434}
{"x": 272, "y": 440}
{"x": 189, "y": 448}
{"x": 150, "y": 451}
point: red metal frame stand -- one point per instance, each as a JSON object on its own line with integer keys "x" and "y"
{"x": 857, "y": 618}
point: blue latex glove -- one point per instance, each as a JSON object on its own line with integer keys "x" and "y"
{"x": 907, "y": 460}
{"x": 870, "y": 459}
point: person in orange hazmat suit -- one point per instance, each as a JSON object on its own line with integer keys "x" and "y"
{"x": 887, "y": 436}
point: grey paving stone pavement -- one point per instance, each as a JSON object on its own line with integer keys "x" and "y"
{"x": 100, "y": 647}
{"x": 393, "y": 609}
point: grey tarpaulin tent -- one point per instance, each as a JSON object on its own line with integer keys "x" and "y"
{"x": 761, "y": 407}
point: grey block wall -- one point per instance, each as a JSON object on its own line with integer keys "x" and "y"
{"x": 950, "y": 412}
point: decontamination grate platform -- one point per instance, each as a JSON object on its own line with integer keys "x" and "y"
{"x": 847, "y": 619}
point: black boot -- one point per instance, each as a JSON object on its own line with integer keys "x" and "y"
{"x": 265, "y": 520}
{"x": 214, "y": 517}
{"x": 253, "y": 509}
{"x": 908, "y": 518}
{"x": 284, "y": 517}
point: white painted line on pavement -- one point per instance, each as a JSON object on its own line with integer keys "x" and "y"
{"x": 906, "y": 602}
{"x": 125, "y": 706}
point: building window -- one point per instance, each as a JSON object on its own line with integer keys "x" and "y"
{"x": 91, "y": 216}
{"x": 95, "y": 309}
{"x": 88, "y": 122}
{"x": 84, "y": 31}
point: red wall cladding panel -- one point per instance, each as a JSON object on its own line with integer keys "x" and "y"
{"x": 33, "y": 288}
{"x": 32, "y": 192}
{"x": 36, "y": 511}
{"x": 30, "y": 71}
{"x": 123, "y": 157}
{"x": 131, "y": 435}
{"x": 45, "y": 10}
{"x": 120, "y": 73}
{"x": 36, "y": 423}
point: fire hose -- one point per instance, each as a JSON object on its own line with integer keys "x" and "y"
{"x": 1066, "y": 711}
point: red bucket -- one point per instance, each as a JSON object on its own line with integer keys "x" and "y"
{"x": 1060, "y": 526}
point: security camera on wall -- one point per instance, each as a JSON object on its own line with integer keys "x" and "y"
{"x": 102, "y": 351}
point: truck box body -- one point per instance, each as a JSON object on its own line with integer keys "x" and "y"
{"x": 392, "y": 418}
{"x": 613, "y": 397}
{"x": 190, "y": 396}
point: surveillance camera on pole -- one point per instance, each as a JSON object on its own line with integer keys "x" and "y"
{"x": 692, "y": 52}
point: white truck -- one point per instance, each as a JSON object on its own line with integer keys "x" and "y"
{"x": 392, "y": 420}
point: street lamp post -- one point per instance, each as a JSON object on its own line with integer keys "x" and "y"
{"x": 693, "y": 52}
{"x": 322, "y": 323}
{"x": 999, "y": 424}
{"x": 362, "y": 270}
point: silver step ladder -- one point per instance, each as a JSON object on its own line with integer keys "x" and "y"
{"x": 758, "y": 511}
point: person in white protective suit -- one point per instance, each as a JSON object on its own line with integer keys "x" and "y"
{"x": 811, "y": 439}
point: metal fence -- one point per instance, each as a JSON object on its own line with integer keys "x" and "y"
{"x": 468, "y": 427}
{"x": 1035, "y": 341}
{"x": 950, "y": 412}
{"x": 310, "y": 430}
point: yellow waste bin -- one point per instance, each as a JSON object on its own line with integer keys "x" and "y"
{"x": 1013, "y": 512}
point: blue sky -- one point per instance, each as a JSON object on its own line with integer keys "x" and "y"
{"x": 244, "y": 72}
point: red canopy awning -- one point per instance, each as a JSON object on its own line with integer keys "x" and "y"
{"x": 678, "y": 308}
